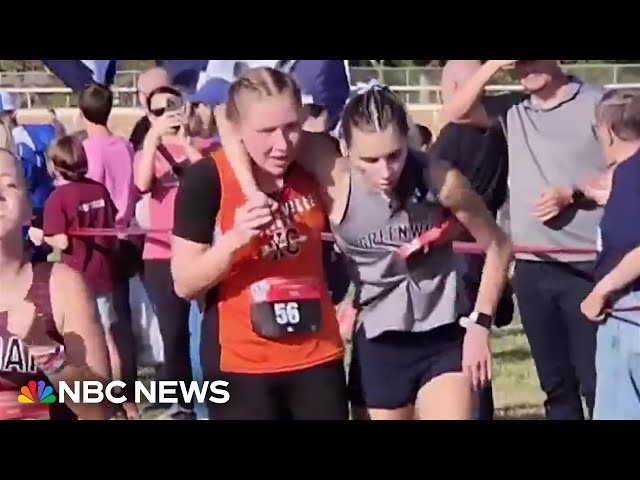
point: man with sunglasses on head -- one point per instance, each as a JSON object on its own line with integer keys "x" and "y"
{"x": 148, "y": 81}
{"x": 553, "y": 154}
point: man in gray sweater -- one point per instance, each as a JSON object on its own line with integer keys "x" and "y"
{"x": 553, "y": 153}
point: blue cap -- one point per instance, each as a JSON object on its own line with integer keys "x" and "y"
{"x": 212, "y": 93}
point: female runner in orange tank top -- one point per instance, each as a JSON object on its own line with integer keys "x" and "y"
{"x": 48, "y": 329}
{"x": 269, "y": 326}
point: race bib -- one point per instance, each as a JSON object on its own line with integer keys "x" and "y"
{"x": 282, "y": 307}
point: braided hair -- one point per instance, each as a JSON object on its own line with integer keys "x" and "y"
{"x": 373, "y": 109}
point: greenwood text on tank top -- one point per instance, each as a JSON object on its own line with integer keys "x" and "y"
{"x": 17, "y": 367}
{"x": 292, "y": 248}
{"x": 414, "y": 295}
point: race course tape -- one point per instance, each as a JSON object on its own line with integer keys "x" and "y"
{"x": 459, "y": 247}
{"x": 425, "y": 239}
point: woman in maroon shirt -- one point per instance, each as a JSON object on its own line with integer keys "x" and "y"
{"x": 48, "y": 328}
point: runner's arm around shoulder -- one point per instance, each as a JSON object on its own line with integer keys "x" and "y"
{"x": 317, "y": 154}
{"x": 472, "y": 213}
{"x": 86, "y": 354}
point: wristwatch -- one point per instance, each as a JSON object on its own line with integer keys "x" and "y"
{"x": 577, "y": 195}
{"x": 478, "y": 318}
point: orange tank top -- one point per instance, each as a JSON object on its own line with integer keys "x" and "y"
{"x": 290, "y": 250}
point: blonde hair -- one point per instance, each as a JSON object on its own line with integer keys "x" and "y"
{"x": 262, "y": 82}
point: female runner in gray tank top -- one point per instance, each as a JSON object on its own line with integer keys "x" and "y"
{"x": 421, "y": 349}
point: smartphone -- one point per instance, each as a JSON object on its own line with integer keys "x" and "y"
{"x": 174, "y": 104}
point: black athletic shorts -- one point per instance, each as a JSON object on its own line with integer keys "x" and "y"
{"x": 396, "y": 365}
{"x": 316, "y": 393}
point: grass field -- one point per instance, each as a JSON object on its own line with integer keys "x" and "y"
{"x": 517, "y": 393}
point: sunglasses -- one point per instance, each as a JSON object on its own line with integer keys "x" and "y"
{"x": 173, "y": 105}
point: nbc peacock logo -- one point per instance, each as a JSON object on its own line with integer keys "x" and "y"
{"x": 36, "y": 393}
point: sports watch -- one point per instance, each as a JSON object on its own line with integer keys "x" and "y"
{"x": 478, "y": 318}
{"x": 577, "y": 195}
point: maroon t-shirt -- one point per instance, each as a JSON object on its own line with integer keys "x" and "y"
{"x": 84, "y": 204}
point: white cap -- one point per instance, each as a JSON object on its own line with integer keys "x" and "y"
{"x": 7, "y": 101}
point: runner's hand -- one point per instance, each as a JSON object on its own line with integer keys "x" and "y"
{"x": 260, "y": 198}
{"x": 29, "y": 327}
{"x": 346, "y": 315}
{"x": 251, "y": 219}
{"x": 476, "y": 356}
{"x": 593, "y": 306}
{"x": 36, "y": 235}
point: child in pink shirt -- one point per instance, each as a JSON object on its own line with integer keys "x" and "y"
{"x": 110, "y": 157}
{"x": 110, "y": 162}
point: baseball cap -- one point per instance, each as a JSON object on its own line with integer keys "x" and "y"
{"x": 7, "y": 102}
{"x": 214, "y": 92}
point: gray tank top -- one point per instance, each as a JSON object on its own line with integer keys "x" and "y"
{"x": 414, "y": 295}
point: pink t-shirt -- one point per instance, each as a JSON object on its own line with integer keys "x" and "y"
{"x": 202, "y": 144}
{"x": 110, "y": 160}
{"x": 157, "y": 246}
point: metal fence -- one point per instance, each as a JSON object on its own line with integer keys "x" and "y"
{"x": 417, "y": 86}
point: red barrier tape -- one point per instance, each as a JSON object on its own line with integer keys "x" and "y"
{"x": 424, "y": 240}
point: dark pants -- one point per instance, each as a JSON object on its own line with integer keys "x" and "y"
{"x": 173, "y": 321}
{"x": 316, "y": 393}
{"x": 128, "y": 264}
{"x": 562, "y": 340}
{"x": 122, "y": 332}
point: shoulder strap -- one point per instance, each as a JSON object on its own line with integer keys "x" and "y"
{"x": 166, "y": 154}
{"x": 164, "y": 151}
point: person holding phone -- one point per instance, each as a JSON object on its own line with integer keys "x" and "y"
{"x": 158, "y": 166}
